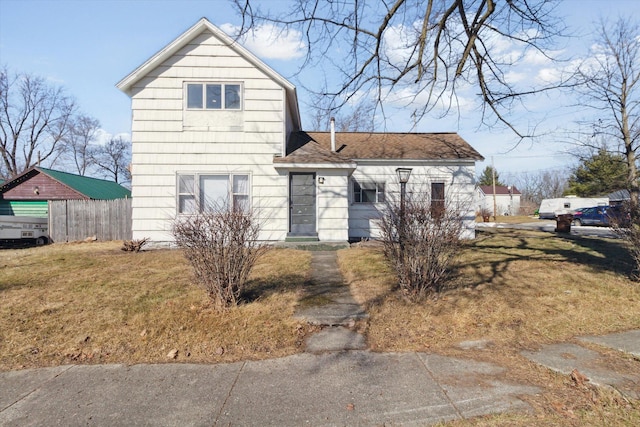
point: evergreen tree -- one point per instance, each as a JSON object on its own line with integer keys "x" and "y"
{"x": 486, "y": 178}
{"x": 602, "y": 173}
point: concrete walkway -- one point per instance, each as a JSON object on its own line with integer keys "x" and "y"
{"x": 328, "y": 303}
{"x": 564, "y": 358}
{"x": 335, "y": 382}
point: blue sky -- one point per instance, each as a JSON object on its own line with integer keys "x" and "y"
{"x": 87, "y": 46}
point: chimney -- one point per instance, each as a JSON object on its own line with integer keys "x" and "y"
{"x": 333, "y": 135}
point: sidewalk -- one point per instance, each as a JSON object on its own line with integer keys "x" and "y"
{"x": 331, "y": 384}
{"x": 341, "y": 388}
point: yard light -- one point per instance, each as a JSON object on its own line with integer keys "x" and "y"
{"x": 403, "y": 177}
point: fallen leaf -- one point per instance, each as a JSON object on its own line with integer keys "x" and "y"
{"x": 351, "y": 407}
{"x": 578, "y": 377}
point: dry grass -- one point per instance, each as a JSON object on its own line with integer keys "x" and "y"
{"x": 517, "y": 290}
{"x": 512, "y": 219}
{"x": 93, "y": 303}
{"x": 513, "y": 288}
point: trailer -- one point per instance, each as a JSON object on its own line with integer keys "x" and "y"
{"x": 551, "y": 208}
{"x": 24, "y": 229}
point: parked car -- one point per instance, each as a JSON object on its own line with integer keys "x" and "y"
{"x": 597, "y": 215}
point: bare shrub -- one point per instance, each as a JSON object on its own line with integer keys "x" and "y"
{"x": 222, "y": 247}
{"x": 625, "y": 221}
{"x": 421, "y": 244}
{"x": 134, "y": 245}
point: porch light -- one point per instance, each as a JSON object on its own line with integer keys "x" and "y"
{"x": 403, "y": 175}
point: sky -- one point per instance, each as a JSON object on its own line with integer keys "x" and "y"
{"x": 87, "y": 46}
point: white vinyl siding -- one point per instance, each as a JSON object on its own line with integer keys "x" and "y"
{"x": 168, "y": 139}
{"x": 456, "y": 179}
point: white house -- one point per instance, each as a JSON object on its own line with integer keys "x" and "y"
{"x": 507, "y": 200}
{"x": 212, "y": 123}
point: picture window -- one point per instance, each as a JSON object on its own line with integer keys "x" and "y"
{"x": 210, "y": 192}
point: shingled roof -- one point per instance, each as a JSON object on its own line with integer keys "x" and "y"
{"x": 315, "y": 147}
{"x": 500, "y": 189}
{"x": 84, "y": 186}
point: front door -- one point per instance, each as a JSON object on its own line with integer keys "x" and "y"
{"x": 302, "y": 204}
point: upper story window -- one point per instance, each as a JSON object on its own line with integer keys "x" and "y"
{"x": 214, "y": 96}
{"x": 368, "y": 192}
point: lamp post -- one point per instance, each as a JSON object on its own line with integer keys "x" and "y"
{"x": 403, "y": 177}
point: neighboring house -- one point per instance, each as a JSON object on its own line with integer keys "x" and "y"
{"x": 618, "y": 197}
{"x": 212, "y": 124}
{"x": 507, "y": 199}
{"x": 28, "y": 193}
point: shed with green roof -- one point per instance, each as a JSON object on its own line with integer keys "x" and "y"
{"x": 28, "y": 194}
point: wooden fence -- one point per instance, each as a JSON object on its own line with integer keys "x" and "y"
{"x": 71, "y": 220}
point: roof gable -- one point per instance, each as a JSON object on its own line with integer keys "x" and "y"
{"x": 127, "y": 83}
{"x": 385, "y": 146}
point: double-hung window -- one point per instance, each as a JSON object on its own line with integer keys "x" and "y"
{"x": 368, "y": 192}
{"x": 209, "y": 192}
{"x": 214, "y": 96}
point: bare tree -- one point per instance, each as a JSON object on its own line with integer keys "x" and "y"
{"x": 113, "y": 159}
{"x": 536, "y": 186}
{"x": 34, "y": 118}
{"x": 422, "y": 52}
{"x": 611, "y": 88}
{"x": 360, "y": 118}
{"x": 78, "y": 144}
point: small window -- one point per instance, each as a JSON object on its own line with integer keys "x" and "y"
{"x": 567, "y": 205}
{"x": 194, "y": 96}
{"x": 240, "y": 191}
{"x": 368, "y": 192}
{"x": 232, "y": 97}
{"x": 186, "y": 194}
{"x": 437, "y": 199}
{"x": 214, "y": 96}
{"x": 214, "y": 192}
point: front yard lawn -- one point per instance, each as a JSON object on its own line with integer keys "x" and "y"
{"x": 513, "y": 290}
{"x": 93, "y": 303}
{"x": 510, "y": 290}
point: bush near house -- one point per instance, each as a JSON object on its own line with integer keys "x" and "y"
{"x": 222, "y": 247}
{"x": 420, "y": 241}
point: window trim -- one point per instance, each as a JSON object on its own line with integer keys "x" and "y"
{"x": 223, "y": 85}
{"x": 199, "y": 208}
{"x": 380, "y": 189}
